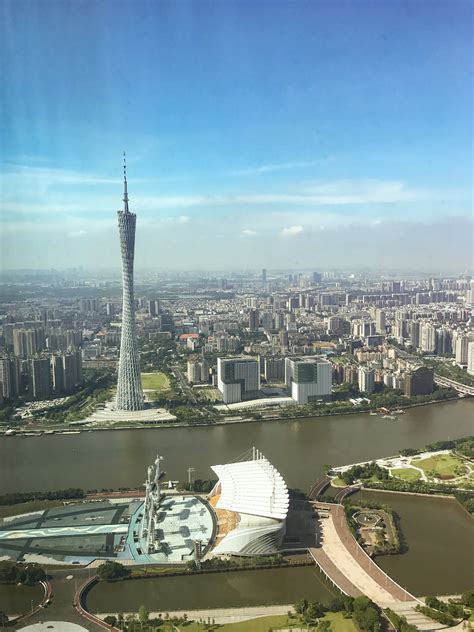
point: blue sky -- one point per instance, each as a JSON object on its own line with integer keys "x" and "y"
{"x": 257, "y": 133}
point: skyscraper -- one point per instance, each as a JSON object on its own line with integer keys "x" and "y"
{"x": 129, "y": 388}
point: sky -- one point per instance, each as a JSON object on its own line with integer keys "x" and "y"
{"x": 260, "y": 133}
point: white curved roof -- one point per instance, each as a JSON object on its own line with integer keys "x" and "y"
{"x": 252, "y": 487}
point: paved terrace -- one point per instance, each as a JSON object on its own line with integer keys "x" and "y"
{"x": 348, "y": 566}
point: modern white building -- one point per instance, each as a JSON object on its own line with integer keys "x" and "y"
{"x": 253, "y": 499}
{"x": 461, "y": 350}
{"x": 470, "y": 358}
{"x": 308, "y": 379}
{"x": 238, "y": 378}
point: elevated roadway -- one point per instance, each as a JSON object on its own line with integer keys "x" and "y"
{"x": 464, "y": 389}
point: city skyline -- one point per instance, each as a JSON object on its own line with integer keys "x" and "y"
{"x": 318, "y": 138}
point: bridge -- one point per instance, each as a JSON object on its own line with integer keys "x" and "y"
{"x": 318, "y": 488}
{"x": 344, "y": 492}
{"x": 464, "y": 389}
{"x": 348, "y": 567}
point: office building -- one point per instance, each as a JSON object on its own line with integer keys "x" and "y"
{"x": 238, "y": 378}
{"x": 308, "y": 379}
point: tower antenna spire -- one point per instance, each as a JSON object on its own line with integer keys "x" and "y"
{"x": 125, "y": 191}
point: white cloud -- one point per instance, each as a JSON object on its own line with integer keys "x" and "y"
{"x": 249, "y": 231}
{"x": 183, "y": 219}
{"x": 291, "y": 231}
{"x": 283, "y": 166}
{"x": 77, "y": 233}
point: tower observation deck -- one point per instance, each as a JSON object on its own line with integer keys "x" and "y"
{"x": 129, "y": 388}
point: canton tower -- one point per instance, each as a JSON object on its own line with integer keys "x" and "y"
{"x": 129, "y": 387}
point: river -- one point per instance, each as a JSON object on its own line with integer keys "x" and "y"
{"x": 439, "y": 533}
{"x": 219, "y": 590}
{"x": 298, "y": 448}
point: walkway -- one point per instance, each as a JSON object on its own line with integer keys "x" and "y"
{"x": 348, "y": 567}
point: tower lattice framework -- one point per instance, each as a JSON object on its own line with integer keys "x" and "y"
{"x": 129, "y": 387}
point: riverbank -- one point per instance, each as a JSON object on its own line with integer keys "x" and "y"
{"x": 77, "y": 428}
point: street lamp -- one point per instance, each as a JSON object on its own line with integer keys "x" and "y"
{"x": 191, "y": 471}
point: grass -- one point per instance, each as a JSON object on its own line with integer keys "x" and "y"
{"x": 443, "y": 465}
{"x": 155, "y": 382}
{"x": 406, "y": 473}
{"x": 338, "y": 482}
{"x": 263, "y": 624}
{"x": 34, "y": 505}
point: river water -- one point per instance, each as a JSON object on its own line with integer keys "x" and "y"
{"x": 219, "y": 590}
{"x": 440, "y": 535}
{"x": 298, "y": 448}
{"x": 15, "y": 600}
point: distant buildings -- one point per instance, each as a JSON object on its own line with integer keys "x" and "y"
{"x": 238, "y": 378}
{"x": 308, "y": 379}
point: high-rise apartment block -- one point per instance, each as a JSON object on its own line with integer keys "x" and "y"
{"x": 10, "y": 373}
{"x": 419, "y": 381}
{"x": 253, "y": 320}
{"x": 274, "y": 368}
{"x": 366, "y": 379}
{"x": 308, "y": 379}
{"x": 39, "y": 378}
{"x": 238, "y": 378}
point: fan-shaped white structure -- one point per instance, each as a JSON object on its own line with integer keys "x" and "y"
{"x": 255, "y": 492}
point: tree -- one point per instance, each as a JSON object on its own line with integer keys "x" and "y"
{"x": 110, "y": 571}
{"x": 301, "y": 606}
{"x": 110, "y": 620}
{"x": 324, "y": 626}
{"x": 467, "y": 598}
{"x": 143, "y": 614}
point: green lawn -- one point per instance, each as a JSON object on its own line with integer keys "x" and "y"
{"x": 338, "y": 482}
{"x": 263, "y": 624}
{"x": 443, "y": 465}
{"x": 23, "y": 508}
{"x": 158, "y": 382}
{"x": 405, "y": 473}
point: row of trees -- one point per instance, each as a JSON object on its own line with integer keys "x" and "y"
{"x": 72, "y": 493}
{"x": 364, "y": 612}
{"x": 18, "y": 573}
